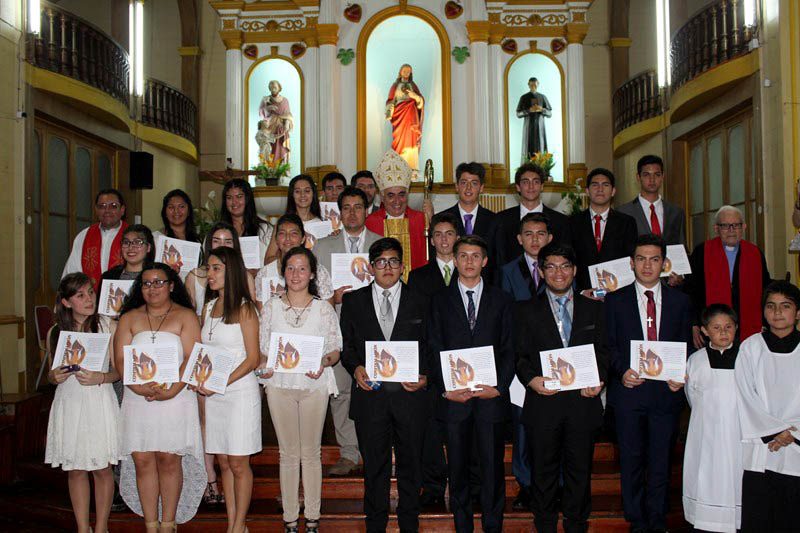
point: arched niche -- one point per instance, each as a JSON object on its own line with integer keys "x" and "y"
{"x": 289, "y": 75}
{"x": 547, "y": 69}
{"x": 392, "y": 37}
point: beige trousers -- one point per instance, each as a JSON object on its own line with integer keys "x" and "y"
{"x": 299, "y": 417}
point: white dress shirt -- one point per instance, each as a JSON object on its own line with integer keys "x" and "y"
{"x": 476, "y": 298}
{"x": 394, "y": 299}
{"x": 463, "y": 212}
{"x": 659, "y": 205}
{"x": 441, "y": 264}
{"x": 603, "y": 220}
{"x": 361, "y": 238}
{"x": 524, "y": 210}
{"x": 107, "y": 237}
{"x": 641, "y": 300}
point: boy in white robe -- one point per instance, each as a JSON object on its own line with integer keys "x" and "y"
{"x": 768, "y": 381}
{"x": 712, "y": 465}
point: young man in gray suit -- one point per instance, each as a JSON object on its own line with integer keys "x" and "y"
{"x": 354, "y": 238}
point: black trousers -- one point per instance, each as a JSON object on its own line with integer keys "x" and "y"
{"x": 394, "y": 425}
{"x": 434, "y": 466}
{"x": 770, "y": 502}
{"x": 488, "y": 437}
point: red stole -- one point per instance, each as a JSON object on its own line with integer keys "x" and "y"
{"x": 92, "y": 246}
{"x": 718, "y": 286}
{"x": 416, "y": 230}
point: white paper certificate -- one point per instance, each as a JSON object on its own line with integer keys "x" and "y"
{"x": 272, "y": 286}
{"x": 319, "y": 229}
{"x": 468, "y": 367}
{"x": 250, "y": 252}
{"x": 612, "y": 275}
{"x": 209, "y": 367}
{"x": 146, "y": 363}
{"x": 392, "y": 361}
{"x": 294, "y": 354}
{"x": 570, "y": 368}
{"x": 87, "y": 350}
{"x": 677, "y": 261}
{"x": 182, "y": 256}
{"x": 112, "y": 295}
{"x": 330, "y": 211}
{"x": 350, "y": 269}
{"x": 659, "y": 360}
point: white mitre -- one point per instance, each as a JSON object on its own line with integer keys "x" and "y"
{"x": 393, "y": 171}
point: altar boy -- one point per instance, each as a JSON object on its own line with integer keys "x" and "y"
{"x": 767, "y": 376}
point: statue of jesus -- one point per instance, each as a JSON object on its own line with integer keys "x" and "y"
{"x": 404, "y": 109}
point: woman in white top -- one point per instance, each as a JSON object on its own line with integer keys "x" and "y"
{"x": 289, "y": 233}
{"x": 177, "y": 215}
{"x": 298, "y": 402}
{"x": 301, "y": 200}
{"x": 233, "y": 419}
{"x": 239, "y": 210}
{"x": 83, "y": 430}
{"x": 160, "y": 423}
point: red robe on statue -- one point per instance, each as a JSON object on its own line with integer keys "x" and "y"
{"x": 406, "y": 119}
{"x": 416, "y": 230}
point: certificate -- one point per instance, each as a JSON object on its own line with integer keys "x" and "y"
{"x": 659, "y": 360}
{"x": 316, "y": 230}
{"x": 330, "y": 211}
{"x": 392, "y": 361}
{"x": 182, "y": 256}
{"x": 611, "y": 275}
{"x": 87, "y": 350}
{"x": 294, "y": 354}
{"x": 677, "y": 261}
{"x": 251, "y": 252}
{"x": 350, "y": 269}
{"x": 468, "y": 367}
{"x": 112, "y": 295}
{"x": 146, "y": 363}
{"x": 209, "y": 367}
{"x": 272, "y": 286}
{"x": 570, "y": 368}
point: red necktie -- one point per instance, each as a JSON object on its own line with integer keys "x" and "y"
{"x": 598, "y": 238}
{"x": 652, "y": 335}
{"x": 655, "y": 227}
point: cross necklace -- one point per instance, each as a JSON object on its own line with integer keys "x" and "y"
{"x": 163, "y": 318}
{"x": 211, "y": 320}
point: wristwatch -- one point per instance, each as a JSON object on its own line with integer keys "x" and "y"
{"x": 444, "y": 395}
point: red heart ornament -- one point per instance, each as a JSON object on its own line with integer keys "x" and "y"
{"x": 353, "y": 13}
{"x": 453, "y": 10}
{"x": 297, "y": 50}
{"x": 557, "y": 46}
{"x": 509, "y": 46}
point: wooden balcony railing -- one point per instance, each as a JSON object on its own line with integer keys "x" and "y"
{"x": 714, "y": 35}
{"x": 73, "y": 47}
{"x": 167, "y": 108}
{"x": 636, "y": 100}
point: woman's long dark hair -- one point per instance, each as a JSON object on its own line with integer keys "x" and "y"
{"x": 145, "y": 232}
{"x": 207, "y": 246}
{"x": 178, "y": 295}
{"x": 68, "y": 288}
{"x": 252, "y": 221}
{"x": 291, "y": 205}
{"x": 312, "y": 265}
{"x": 237, "y": 291}
{"x": 191, "y": 230}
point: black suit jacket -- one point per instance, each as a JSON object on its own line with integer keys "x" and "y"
{"x": 619, "y": 240}
{"x": 428, "y": 280}
{"x": 448, "y": 329}
{"x": 360, "y": 324}
{"x": 506, "y": 245}
{"x": 674, "y": 230}
{"x": 624, "y": 325}
{"x": 483, "y": 224}
{"x": 535, "y": 331}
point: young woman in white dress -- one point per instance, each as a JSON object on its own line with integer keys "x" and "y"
{"x": 301, "y": 200}
{"x": 83, "y": 430}
{"x": 160, "y": 424}
{"x": 239, "y": 210}
{"x": 298, "y": 402}
{"x": 289, "y": 233}
{"x": 233, "y": 419}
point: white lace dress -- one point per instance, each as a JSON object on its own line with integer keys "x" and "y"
{"x": 233, "y": 419}
{"x": 320, "y": 319}
{"x": 324, "y": 282}
{"x": 171, "y": 426}
{"x": 83, "y": 430}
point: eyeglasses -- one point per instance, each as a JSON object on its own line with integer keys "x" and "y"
{"x": 382, "y": 263}
{"x": 113, "y": 206}
{"x": 135, "y": 243}
{"x": 730, "y": 227}
{"x": 552, "y": 268}
{"x": 154, "y": 284}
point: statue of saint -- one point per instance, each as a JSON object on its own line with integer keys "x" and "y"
{"x": 275, "y": 125}
{"x": 404, "y": 109}
{"x": 534, "y": 107}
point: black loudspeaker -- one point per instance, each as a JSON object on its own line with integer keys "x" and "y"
{"x": 141, "y": 170}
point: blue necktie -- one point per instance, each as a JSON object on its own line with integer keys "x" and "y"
{"x": 471, "y": 310}
{"x": 468, "y": 224}
{"x": 566, "y": 320}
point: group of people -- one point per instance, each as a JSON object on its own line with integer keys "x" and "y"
{"x": 518, "y": 281}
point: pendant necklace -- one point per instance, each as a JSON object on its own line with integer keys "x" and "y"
{"x": 163, "y": 318}
{"x": 211, "y": 321}
{"x": 298, "y": 316}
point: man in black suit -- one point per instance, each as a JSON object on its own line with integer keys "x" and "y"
{"x": 394, "y": 414}
{"x": 647, "y": 411}
{"x": 468, "y": 314}
{"x": 599, "y": 233}
{"x": 364, "y": 180}
{"x": 529, "y": 180}
{"x": 563, "y": 425}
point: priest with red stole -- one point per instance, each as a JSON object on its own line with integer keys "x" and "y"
{"x": 394, "y": 218}
{"x": 729, "y": 270}
{"x": 99, "y": 247}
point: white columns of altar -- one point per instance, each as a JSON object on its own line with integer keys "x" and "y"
{"x": 234, "y": 148}
{"x": 311, "y": 107}
{"x": 576, "y": 118}
{"x": 497, "y": 140}
{"x": 327, "y": 104}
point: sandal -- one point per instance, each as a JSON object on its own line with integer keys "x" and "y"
{"x": 171, "y": 526}
{"x": 312, "y": 526}
{"x": 290, "y": 527}
{"x": 213, "y": 495}
{"x": 152, "y": 525}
